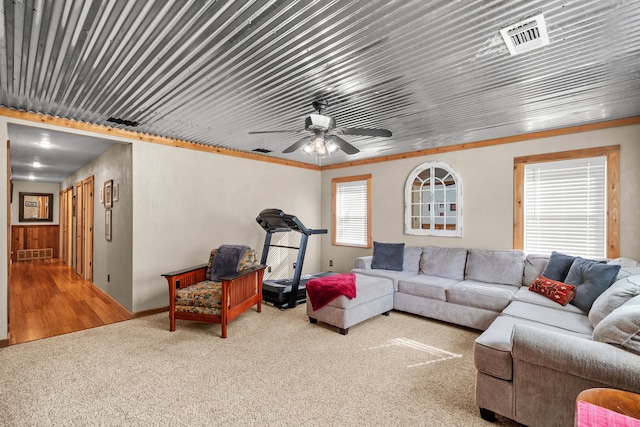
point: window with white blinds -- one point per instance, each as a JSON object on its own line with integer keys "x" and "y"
{"x": 565, "y": 207}
{"x": 352, "y": 211}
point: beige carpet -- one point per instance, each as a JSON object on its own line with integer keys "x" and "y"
{"x": 274, "y": 369}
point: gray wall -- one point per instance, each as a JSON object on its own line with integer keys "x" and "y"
{"x": 112, "y": 260}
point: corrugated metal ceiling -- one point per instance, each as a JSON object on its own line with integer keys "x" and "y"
{"x": 433, "y": 72}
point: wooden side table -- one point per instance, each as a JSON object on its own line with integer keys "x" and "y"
{"x": 607, "y": 407}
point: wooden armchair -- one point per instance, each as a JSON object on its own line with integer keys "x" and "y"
{"x": 194, "y": 296}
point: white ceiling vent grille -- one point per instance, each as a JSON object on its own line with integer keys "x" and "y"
{"x": 526, "y": 35}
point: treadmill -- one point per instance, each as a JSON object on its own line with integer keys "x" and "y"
{"x": 286, "y": 293}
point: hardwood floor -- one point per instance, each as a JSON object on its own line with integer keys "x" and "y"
{"x": 47, "y": 298}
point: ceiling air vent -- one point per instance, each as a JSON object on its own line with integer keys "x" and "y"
{"x": 525, "y": 36}
{"x": 122, "y": 122}
{"x": 261, "y": 150}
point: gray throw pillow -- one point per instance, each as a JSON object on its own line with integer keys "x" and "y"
{"x": 592, "y": 278}
{"x": 388, "y": 256}
{"x": 558, "y": 266}
{"x": 620, "y": 292}
{"x": 621, "y": 327}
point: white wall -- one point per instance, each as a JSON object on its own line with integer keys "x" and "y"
{"x": 487, "y": 175}
{"x": 34, "y": 187}
{"x": 188, "y": 202}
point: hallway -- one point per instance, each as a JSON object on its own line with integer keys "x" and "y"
{"x": 46, "y": 298}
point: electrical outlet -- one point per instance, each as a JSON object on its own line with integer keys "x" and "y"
{"x": 294, "y": 265}
{"x": 330, "y": 263}
{"x": 269, "y": 269}
{"x": 108, "y": 277}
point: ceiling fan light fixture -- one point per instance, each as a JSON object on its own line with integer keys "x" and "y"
{"x": 331, "y": 147}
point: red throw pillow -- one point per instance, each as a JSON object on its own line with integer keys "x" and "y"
{"x": 555, "y": 291}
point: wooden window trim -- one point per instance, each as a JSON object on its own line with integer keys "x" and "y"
{"x": 612, "y": 153}
{"x": 334, "y": 217}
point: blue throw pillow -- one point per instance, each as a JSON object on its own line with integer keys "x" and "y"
{"x": 387, "y": 256}
{"x": 558, "y": 266}
{"x": 591, "y": 278}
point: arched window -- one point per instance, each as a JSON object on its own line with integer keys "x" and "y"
{"x": 433, "y": 201}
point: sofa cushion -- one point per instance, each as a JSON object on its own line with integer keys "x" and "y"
{"x": 388, "y": 256}
{"x": 622, "y": 327}
{"x": 534, "y": 264}
{"x": 367, "y": 289}
{"x": 558, "y": 292}
{"x": 432, "y": 287}
{"x": 412, "y": 256}
{"x": 592, "y": 278}
{"x": 557, "y": 316}
{"x": 617, "y": 294}
{"x": 495, "y": 266}
{"x": 443, "y": 262}
{"x": 392, "y": 275}
{"x": 558, "y": 266}
{"x": 525, "y": 295}
{"x": 487, "y": 296}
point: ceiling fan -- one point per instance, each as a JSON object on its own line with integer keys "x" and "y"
{"x": 325, "y": 138}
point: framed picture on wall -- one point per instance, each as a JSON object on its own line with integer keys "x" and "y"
{"x": 108, "y": 194}
{"x": 107, "y": 225}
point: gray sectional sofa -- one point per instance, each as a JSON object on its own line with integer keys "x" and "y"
{"x": 534, "y": 355}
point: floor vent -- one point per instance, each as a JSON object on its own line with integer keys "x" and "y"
{"x": 526, "y": 36}
{"x": 28, "y": 254}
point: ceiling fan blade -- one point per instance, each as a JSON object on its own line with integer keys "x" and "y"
{"x": 301, "y": 143}
{"x": 344, "y": 145}
{"x": 273, "y": 131}
{"x": 364, "y": 132}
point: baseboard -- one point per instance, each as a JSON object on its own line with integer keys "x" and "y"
{"x": 4, "y": 343}
{"x": 145, "y": 313}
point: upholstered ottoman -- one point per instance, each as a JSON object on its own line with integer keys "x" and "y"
{"x": 374, "y": 295}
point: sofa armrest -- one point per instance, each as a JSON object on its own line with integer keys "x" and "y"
{"x": 580, "y": 357}
{"x": 364, "y": 262}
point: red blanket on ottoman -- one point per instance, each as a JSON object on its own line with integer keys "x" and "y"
{"x": 323, "y": 290}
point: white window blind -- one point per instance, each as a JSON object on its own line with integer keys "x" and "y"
{"x": 352, "y": 213}
{"x": 565, "y": 207}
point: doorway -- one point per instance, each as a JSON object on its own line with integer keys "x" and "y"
{"x": 84, "y": 227}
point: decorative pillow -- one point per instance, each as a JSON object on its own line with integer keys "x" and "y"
{"x": 621, "y": 327}
{"x": 554, "y": 290}
{"x": 387, "y": 256}
{"x": 592, "y": 278}
{"x": 617, "y": 294}
{"x": 558, "y": 266}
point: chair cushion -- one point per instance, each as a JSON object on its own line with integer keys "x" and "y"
{"x": 206, "y": 294}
